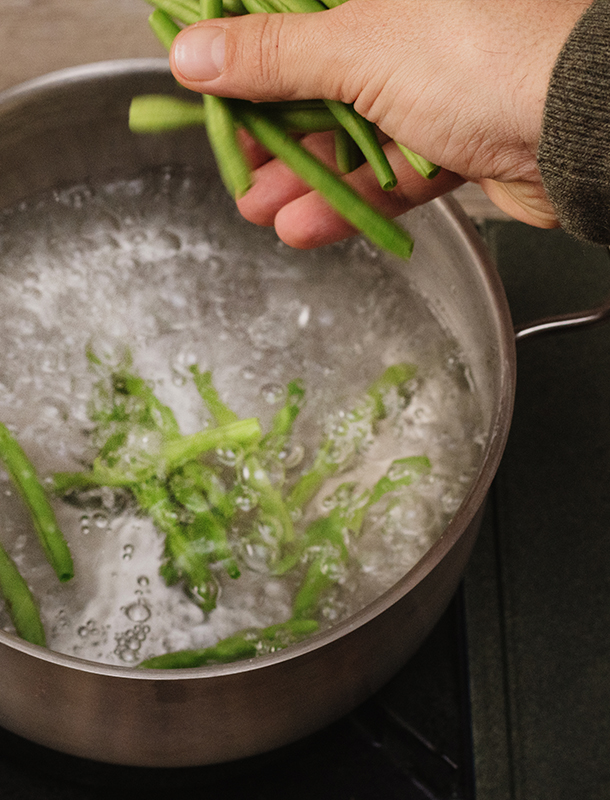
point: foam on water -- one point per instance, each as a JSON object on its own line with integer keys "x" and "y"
{"x": 165, "y": 267}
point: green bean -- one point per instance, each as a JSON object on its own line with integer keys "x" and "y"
{"x": 172, "y": 455}
{"x": 326, "y": 538}
{"x": 164, "y": 27}
{"x": 325, "y": 465}
{"x": 197, "y": 486}
{"x": 233, "y": 648}
{"x": 208, "y": 526}
{"x": 311, "y": 481}
{"x": 243, "y": 433}
{"x": 241, "y": 645}
{"x": 340, "y": 196}
{"x": 210, "y": 9}
{"x": 363, "y": 133}
{"x": 234, "y": 7}
{"x": 153, "y": 413}
{"x": 259, "y": 6}
{"x": 222, "y": 414}
{"x": 283, "y": 420}
{"x": 402, "y": 472}
{"x": 211, "y": 543}
{"x": 294, "y": 105}
{"x": 64, "y": 482}
{"x": 301, "y": 120}
{"x": 318, "y": 580}
{"x": 347, "y": 153}
{"x": 272, "y": 508}
{"x": 182, "y": 10}
{"x": 19, "y": 601}
{"x": 298, "y": 6}
{"x": 222, "y": 130}
{"x": 393, "y": 377}
{"x": 23, "y": 475}
{"x": 425, "y": 168}
{"x": 154, "y": 113}
{"x": 222, "y": 134}
{"x": 183, "y": 555}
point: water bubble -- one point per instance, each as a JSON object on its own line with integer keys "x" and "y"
{"x": 127, "y": 552}
{"x": 85, "y": 523}
{"x": 143, "y": 581}
{"x": 62, "y": 618}
{"x": 451, "y": 501}
{"x": 400, "y": 470}
{"x": 138, "y": 611}
{"x": 100, "y": 520}
{"x": 226, "y": 456}
{"x": 90, "y": 628}
{"x": 273, "y": 393}
{"x": 127, "y": 655}
{"x": 248, "y": 373}
{"x": 180, "y": 366}
{"x": 246, "y": 500}
{"x": 270, "y": 530}
{"x": 129, "y": 642}
{"x": 54, "y": 410}
{"x": 292, "y": 455}
{"x": 179, "y": 379}
{"x": 304, "y": 316}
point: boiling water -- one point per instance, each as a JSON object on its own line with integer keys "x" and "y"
{"x": 163, "y": 266}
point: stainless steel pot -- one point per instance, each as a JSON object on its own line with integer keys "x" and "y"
{"x": 70, "y": 126}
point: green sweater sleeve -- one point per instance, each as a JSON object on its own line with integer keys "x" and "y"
{"x": 574, "y": 148}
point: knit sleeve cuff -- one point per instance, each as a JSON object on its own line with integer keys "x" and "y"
{"x": 574, "y": 148}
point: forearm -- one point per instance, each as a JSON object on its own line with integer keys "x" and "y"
{"x": 574, "y": 150}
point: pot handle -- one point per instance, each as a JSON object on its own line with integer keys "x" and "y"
{"x": 562, "y": 322}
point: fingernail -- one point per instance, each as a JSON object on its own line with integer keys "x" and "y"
{"x": 199, "y": 53}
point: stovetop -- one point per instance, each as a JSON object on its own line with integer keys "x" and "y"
{"x": 409, "y": 742}
{"x": 509, "y": 698}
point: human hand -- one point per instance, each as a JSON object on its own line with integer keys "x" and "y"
{"x": 462, "y": 83}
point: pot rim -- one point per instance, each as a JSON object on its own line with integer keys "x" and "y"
{"x": 455, "y": 217}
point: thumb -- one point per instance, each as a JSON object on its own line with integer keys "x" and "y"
{"x": 261, "y": 56}
{"x": 522, "y": 200}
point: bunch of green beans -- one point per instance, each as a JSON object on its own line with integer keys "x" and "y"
{"x": 194, "y": 496}
{"x": 193, "y": 487}
{"x": 272, "y": 124}
{"x": 322, "y": 551}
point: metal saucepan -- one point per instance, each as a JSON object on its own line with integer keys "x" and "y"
{"x": 72, "y": 126}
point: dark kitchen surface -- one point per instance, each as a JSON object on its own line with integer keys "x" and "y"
{"x": 514, "y": 683}
{"x": 538, "y": 589}
{"x": 410, "y": 742}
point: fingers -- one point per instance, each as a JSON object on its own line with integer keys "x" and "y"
{"x": 303, "y": 219}
{"x": 275, "y": 185}
{"x": 469, "y": 98}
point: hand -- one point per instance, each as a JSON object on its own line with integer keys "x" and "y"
{"x": 462, "y": 84}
